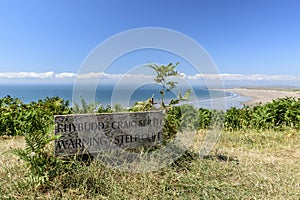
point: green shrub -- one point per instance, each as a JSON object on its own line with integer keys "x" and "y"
{"x": 11, "y": 116}
{"x": 204, "y": 118}
{"x": 276, "y": 115}
{"x": 18, "y": 118}
{"x": 164, "y": 75}
{"x": 37, "y": 157}
{"x": 35, "y": 122}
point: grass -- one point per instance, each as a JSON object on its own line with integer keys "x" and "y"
{"x": 8, "y": 160}
{"x": 243, "y": 165}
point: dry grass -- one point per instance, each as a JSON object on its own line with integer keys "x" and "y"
{"x": 6, "y": 144}
{"x": 243, "y": 165}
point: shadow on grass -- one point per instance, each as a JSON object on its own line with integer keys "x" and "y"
{"x": 188, "y": 157}
{"x": 221, "y": 157}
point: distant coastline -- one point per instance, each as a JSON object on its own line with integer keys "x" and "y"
{"x": 125, "y": 95}
{"x": 211, "y": 99}
{"x": 264, "y": 94}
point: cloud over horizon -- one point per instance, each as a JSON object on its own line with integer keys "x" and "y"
{"x": 68, "y": 75}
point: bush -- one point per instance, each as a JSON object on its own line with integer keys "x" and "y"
{"x": 276, "y": 115}
{"x": 35, "y": 122}
{"x": 18, "y": 118}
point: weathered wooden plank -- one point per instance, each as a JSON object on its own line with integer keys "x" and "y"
{"x": 92, "y": 133}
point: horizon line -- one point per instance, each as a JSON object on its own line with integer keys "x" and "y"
{"x": 96, "y": 75}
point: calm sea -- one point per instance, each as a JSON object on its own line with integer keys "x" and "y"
{"x": 201, "y": 97}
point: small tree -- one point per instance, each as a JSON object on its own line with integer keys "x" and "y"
{"x": 163, "y": 73}
{"x": 173, "y": 116}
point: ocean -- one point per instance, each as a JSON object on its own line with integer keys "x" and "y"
{"x": 201, "y": 96}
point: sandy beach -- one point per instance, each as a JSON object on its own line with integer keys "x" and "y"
{"x": 263, "y": 95}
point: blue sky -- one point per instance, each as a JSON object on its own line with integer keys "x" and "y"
{"x": 242, "y": 36}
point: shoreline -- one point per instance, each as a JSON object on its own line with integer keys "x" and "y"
{"x": 262, "y": 95}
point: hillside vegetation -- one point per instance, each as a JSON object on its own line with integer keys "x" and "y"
{"x": 257, "y": 156}
{"x": 18, "y": 118}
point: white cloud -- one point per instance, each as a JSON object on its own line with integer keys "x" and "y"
{"x": 112, "y": 76}
{"x": 233, "y": 77}
{"x": 21, "y": 75}
{"x": 66, "y": 75}
{"x": 97, "y": 75}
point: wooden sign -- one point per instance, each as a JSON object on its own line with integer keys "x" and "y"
{"x": 92, "y": 133}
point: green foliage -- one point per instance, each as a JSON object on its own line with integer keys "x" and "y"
{"x": 163, "y": 75}
{"x": 204, "y": 118}
{"x": 172, "y": 122}
{"x": 35, "y": 122}
{"x": 143, "y": 106}
{"x": 11, "y": 121}
{"x": 280, "y": 113}
{"x": 276, "y": 115}
{"x": 54, "y": 105}
{"x": 233, "y": 118}
{"x": 180, "y": 118}
{"x": 189, "y": 118}
{"x": 43, "y": 166}
{"x": 17, "y": 118}
{"x": 228, "y": 173}
{"x": 118, "y": 108}
{"x": 102, "y": 109}
{"x": 174, "y": 118}
{"x": 94, "y": 107}
{"x": 85, "y": 107}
